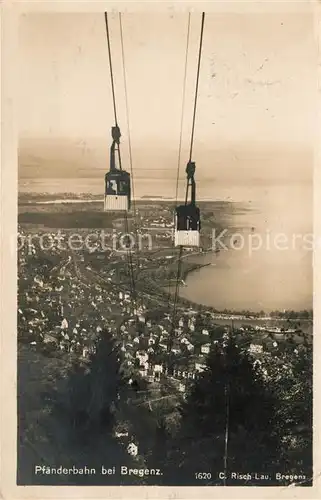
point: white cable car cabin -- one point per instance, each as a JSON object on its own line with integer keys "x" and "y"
{"x": 187, "y": 217}
{"x": 117, "y": 191}
{"x": 187, "y": 226}
{"x": 117, "y": 181}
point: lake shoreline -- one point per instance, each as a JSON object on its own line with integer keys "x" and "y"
{"x": 235, "y": 313}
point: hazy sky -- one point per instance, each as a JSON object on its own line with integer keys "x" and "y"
{"x": 256, "y": 107}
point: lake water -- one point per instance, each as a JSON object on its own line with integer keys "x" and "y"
{"x": 278, "y": 273}
{"x": 267, "y": 278}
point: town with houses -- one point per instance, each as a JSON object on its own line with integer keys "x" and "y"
{"x": 69, "y": 298}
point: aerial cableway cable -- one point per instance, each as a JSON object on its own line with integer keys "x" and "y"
{"x": 183, "y": 104}
{"x": 112, "y": 84}
{"x": 197, "y": 82}
{"x": 179, "y": 267}
{"x": 181, "y": 132}
{"x": 130, "y": 159}
{"x": 127, "y": 107}
{"x": 128, "y": 250}
{"x": 111, "y": 70}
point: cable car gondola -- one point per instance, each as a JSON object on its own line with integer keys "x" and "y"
{"x": 187, "y": 222}
{"x": 187, "y": 217}
{"x": 117, "y": 181}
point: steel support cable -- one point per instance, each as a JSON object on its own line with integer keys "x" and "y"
{"x": 190, "y": 157}
{"x": 130, "y": 153}
{"x": 131, "y": 272}
{"x": 111, "y": 68}
{"x": 127, "y": 107}
{"x": 128, "y": 253}
{"x": 178, "y": 167}
{"x": 196, "y": 87}
{"x": 112, "y": 82}
{"x": 183, "y": 103}
{"x": 178, "y": 277}
{"x": 180, "y": 142}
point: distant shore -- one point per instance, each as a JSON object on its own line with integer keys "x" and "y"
{"x": 198, "y": 257}
{"x": 101, "y": 200}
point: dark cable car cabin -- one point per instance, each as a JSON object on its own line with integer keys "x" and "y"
{"x": 187, "y": 226}
{"x": 187, "y": 217}
{"x": 117, "y": 181}
{"x": 117, "y": 191}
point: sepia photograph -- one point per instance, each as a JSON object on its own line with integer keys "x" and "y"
{"x": 165, "y": 248}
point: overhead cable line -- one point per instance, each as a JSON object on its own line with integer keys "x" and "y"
{"x": 178, "y": 277}
{"x": 183, "y": 104}
{"x": 130, "y": 155}
{"x": 128, "y": 251}
{"x": 197, "y": 82}
{"x": 180, "y": 146}
{"x": 111, "y": 69}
